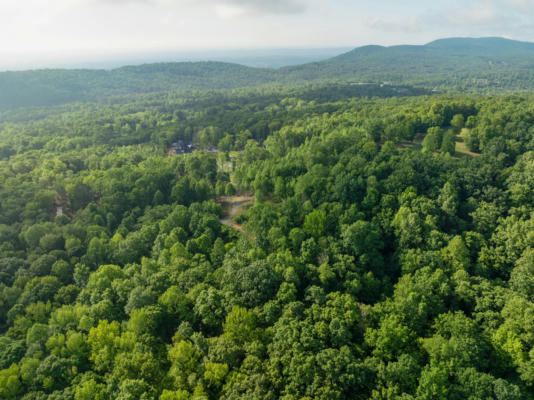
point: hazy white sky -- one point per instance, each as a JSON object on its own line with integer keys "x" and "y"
{"x": 33, "y": 29}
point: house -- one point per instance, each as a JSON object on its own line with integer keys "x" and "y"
{"x": 180, "y": 147}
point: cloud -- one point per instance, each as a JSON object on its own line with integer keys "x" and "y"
{"x": 472, "y": 18}
{"x": 227, "y": 8}
{"x": 404, "y": 25}
{"x": 483, "y": 13}
{"x": 269, "y": 6}
{"x": 521, "y": 5}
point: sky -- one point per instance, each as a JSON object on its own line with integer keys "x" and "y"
{"x": 43, "y": 31}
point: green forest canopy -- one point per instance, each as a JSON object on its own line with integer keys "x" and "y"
{"x": 377, "y": 261}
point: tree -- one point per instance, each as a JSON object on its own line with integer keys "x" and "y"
{"x": 448, "y": 143}
{"x": 363, "y": 240}
{"x": 79, "y": 195}
{"x": 251, "y": 285}
{"x": 103, "y": 339}
{"x": 90, "y": 390}
{"x": 391, "y": 339}
{"x": 97, "y": 252}
{"x": 229, "y": 189}
{"x": 457, "y": 123}
{"x": 408, "y": 227}
{"x": 240, "y": 325}
{"x": 448, "y": 199}
{"x": 218, "y": 252}
{"x": 522, "y": 276}
{"x": 63, "y": 270}
{"x": 146, "y": 321}
{"x": 10, "y": 384}
{"x": 209, "y": 309}
{"x": 184, "y": 363}
{"x": 432, "y": 140}
{"x": 315, "y": 223}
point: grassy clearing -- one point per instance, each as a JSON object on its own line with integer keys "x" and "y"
{"x": 461, "y": 146}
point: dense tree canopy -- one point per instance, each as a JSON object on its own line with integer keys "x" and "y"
{"x": 387, "y": 253}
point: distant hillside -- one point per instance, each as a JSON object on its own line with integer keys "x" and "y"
{"x": 493, "y": 44}
{"x": 456, "y": 64}
{"x": 45, "y": 87}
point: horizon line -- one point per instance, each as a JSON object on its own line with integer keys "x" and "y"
{"x": 77, "y": 59}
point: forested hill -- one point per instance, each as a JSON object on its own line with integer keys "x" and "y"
{"x": 453, "y": 64}
{"x": 50, "y": 87}
{"x": 457, "y": 63}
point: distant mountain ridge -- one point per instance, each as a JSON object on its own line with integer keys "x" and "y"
{"x": 454, "y": 63}
{"x": 404, "y": 63}
{"x": 480, "y": 43}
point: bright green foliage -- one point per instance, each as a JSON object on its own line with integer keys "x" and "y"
{"x": 457, "y": 123}
{"x": 448, "y": 143}
{"x": 432, "y": 140}
{"x": 90, "y": 390}
{"x": 240, "y": 325}
{"x": 315, "y": 223}
{"x": 364, "y": 268}
{"x": 10, "y": 384}
{"x": 103, "y": 340}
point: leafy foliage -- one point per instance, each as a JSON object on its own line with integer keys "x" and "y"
{"x": 367, "y": 267}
